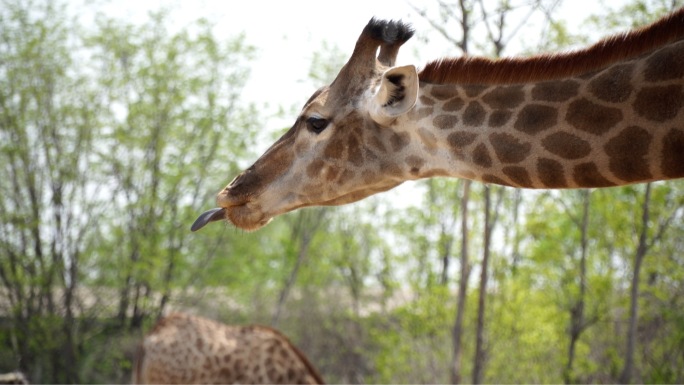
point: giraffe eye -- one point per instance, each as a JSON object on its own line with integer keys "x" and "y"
{"x": 316, "y": 125}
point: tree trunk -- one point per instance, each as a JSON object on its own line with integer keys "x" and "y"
{"x": 515, "y": 249}
{"x": 285, "y": 292}
{"x": 457, "y": 333}
{"x": 478, "y": 366}
{"x": 577, "y": 323}
{"x": 303, "y": 232}
{"x": 642, "y": 248}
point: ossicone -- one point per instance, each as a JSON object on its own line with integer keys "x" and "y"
{"x": 389, "y": 31}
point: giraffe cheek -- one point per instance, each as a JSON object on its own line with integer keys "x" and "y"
{"x": 301, "y": 148}
{"x": 321, "y": 172}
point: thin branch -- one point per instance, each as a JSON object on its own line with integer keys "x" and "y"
{"x": 439, "y": 28}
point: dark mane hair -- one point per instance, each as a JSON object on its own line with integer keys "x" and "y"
{"x": 481, "y": 70}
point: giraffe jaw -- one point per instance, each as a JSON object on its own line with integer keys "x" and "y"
{"x": 247, "y": 218}
{"x": 252, "y": 218}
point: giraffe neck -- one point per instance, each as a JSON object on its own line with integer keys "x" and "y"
{"x": 620, "y": 125}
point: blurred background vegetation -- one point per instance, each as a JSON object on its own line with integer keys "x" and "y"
{"x": 114, "y": 136}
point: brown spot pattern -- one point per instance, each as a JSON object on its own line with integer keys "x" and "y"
{"x": 420, "y": 113}
{"x": 314, "y": 168}
{"x": 499, "y": 117}
{"x": 331, "y": 173}
{"x": 659, "y": 103}
{"x": 665, "y": 64}
{"x": 535, "y": 118}
{"x": 376, "y": 143}
{"x": 348, "y": 175}
{"x": 399, "y": 140}
{"x": 390, "y": 169}
{"x": 461, "y": 139}
{"x": 551, "y": 173}
{"x": 474, "y": 90}
{"x": 488, "y": 178}
{"x": 588, "y": 175}
{"x": 443, "y": 92}
{"x": 445, "y": 122}
{"x": 518, "y": 175}
{"x": 474, "y": 115}
{"x": 355, "y": 155}
{"x": 627, "y": 152}
{"x": 613, "y": 85}
{"x": 453, "y": 105}
{"x": 508, "y": 148}
{"x": 556, "y": 91}
{"x": 591, "y": 117}
{"x": 566, "y": 145}
{"x": 481, "y": 156}
{"x": 427, "y": 101}
{"x": 504, "y": 97}
{"x": 415, "y": 163}
{"x": 334, "y": 149}
{"x": 369, "y": 177}
{"x": 672, "y": 162}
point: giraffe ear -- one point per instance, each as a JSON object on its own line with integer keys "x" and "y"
{"x": 395, "y": 95}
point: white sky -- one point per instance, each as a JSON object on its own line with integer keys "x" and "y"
{"x": 286, "y": 33}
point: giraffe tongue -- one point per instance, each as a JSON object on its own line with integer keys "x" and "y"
{"x": 212, "y": 215}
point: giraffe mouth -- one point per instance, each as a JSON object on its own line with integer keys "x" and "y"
{"x": 239, "y": 215}
{"x": 249, "y": 217}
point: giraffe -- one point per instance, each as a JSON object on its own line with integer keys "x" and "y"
{"x": 610, "y": 114}
{"x": 187, "y": 349}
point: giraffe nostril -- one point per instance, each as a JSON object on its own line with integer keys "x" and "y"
{"x": 240, "y": 179}
{"x": 235, "y": 185}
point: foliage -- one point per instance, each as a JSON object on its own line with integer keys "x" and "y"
{"x": 108, "y": 137}
{"x": 114, "y": 136}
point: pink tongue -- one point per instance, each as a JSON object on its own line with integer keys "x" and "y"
{"x": 212, "y": 215}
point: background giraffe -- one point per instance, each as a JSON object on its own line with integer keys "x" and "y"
{"x": 186, "y": 349}
{"x": 607, "y": 115}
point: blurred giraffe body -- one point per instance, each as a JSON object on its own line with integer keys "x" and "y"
{"x": 185, "y": 349}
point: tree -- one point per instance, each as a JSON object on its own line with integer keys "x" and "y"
{"x": 642, "y": 248}
{"x": 48, "y": 202}
{"x": 176, "y": 122}
{"x": 108, "y": 137}
{"x": 457, "y": 332}
{"x": 578, "y": 319}
{"x": 304, "y": 226}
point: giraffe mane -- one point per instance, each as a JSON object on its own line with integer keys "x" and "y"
{"x": 511, "y": 70}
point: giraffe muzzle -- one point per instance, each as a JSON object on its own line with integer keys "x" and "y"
{"x": 216, "y": 214}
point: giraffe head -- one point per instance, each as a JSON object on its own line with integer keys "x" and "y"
{"x": 324, "y": 159}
